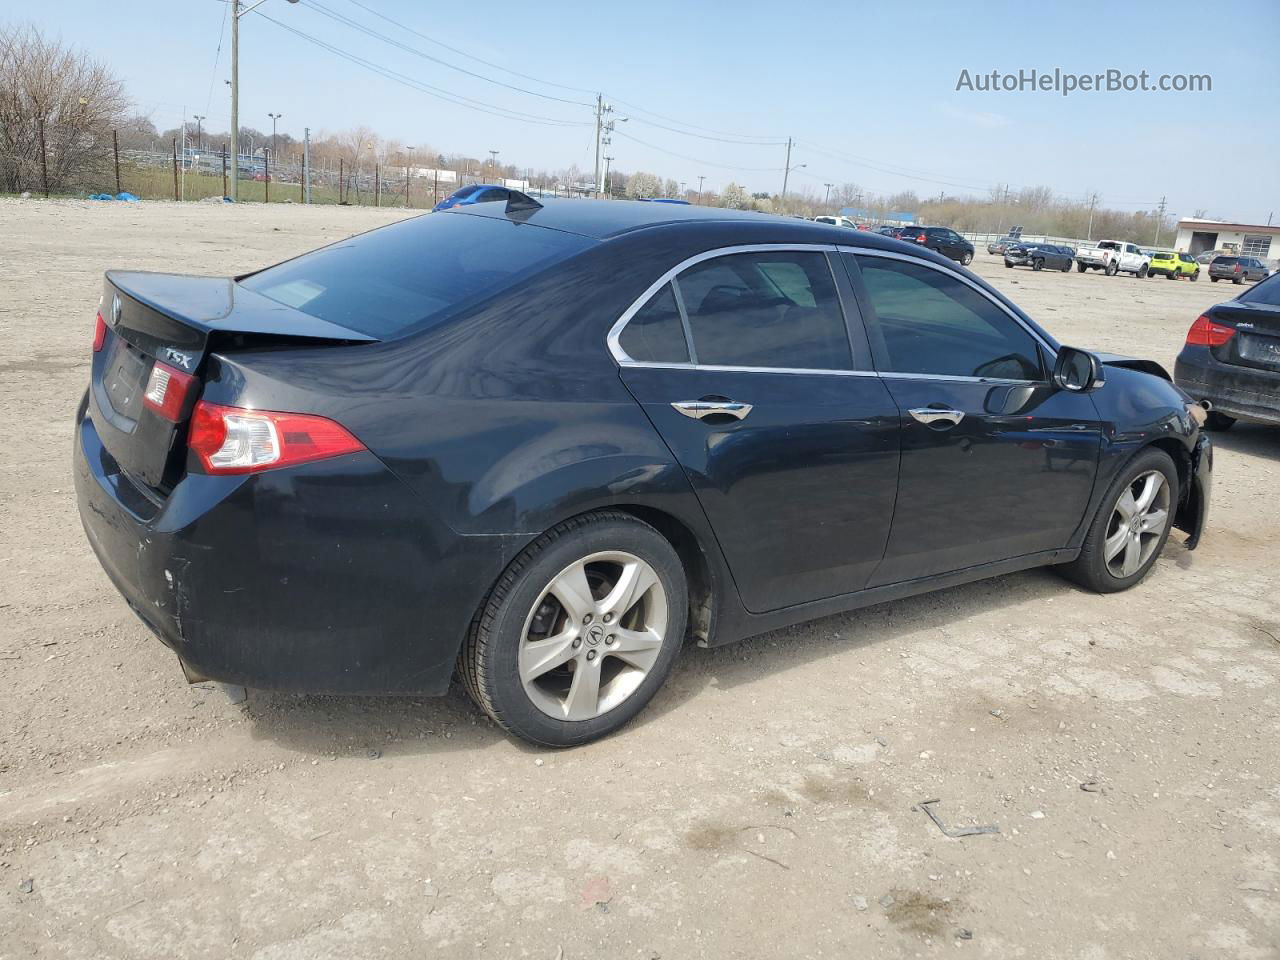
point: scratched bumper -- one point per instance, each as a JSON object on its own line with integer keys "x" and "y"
{"x": 322, "y": 578}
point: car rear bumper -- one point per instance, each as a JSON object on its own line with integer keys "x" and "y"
{"x": 1193, "y": 512}
{"x": 324, "y": 578}
{"x": 1241, "y": 392}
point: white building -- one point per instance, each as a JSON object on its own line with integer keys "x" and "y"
{"x": 1196, "y": 236}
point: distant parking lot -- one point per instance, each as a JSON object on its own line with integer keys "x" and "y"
{"x": 1125, "y": 746}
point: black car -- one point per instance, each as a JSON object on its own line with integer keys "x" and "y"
{"x": 1038, "y": 256}
{"x": 943, "y": 240}
{"x": 1231, "y": 360}
{"x": 544, "y": 444}
{"x": 1237, "y": 269}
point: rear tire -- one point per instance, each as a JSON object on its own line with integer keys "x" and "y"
{"x": 1237, "y": 281}
{"x": 1219, "y": 421}
{"x": 1214, "y": 279}
{"x": 1142, "y": 272}
{"x": 1171, "y": 275}
{"x": 966, "y": 259}
{"x": 1081, "y": 268}
{"x": 608, "y": 663}
{"x": 1037, "y": 264}
{"x": 1066, "y": 267}
{"x": 1128, "y": 526}
{"x": 1112, "y": 269}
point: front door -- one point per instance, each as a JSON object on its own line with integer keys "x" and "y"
{"x": 996, "y": 463}
{"x": 745, "y": 368}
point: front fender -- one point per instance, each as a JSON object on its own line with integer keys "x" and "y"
{"x": 1193, "y": 512}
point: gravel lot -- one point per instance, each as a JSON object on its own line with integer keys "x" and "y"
{"x": 764, "y": 805}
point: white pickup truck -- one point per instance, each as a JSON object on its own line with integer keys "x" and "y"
{"x": 1112, "y": 256}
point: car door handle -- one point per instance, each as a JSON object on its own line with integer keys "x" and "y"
{"x": 932, "y": 415}
{"x": 699, "y": 409}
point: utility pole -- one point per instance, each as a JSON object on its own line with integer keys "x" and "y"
{"x": 786, "y": 170}
{"x": 607, "y": 161}
{"x": 306, "y": 164}
{"x": 700, "y": 179}
{"x": 266, "y": 166}
{"x": 274, "y": 117}
{"x": 1093, "y": 202}
{"x": 200, "y": 132}
{"x": 115, "y": 147}
{"x": 493, "y": 163}
{"x": 599, "y": 129}
{"x": 827, "y": 197}
{"x": 1159, "y": 219}
{"x": 236, "y": 14}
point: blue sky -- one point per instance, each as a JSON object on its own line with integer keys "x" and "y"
{"x": 868, "y": 90}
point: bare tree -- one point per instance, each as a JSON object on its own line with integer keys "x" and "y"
{"x": 57, "y": 110}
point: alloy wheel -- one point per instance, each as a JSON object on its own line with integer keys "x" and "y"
{"x": 1137, "y": 524}
{"x": 593, "y": 636}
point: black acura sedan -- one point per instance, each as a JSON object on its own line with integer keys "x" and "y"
{"x": 545, "y": 444}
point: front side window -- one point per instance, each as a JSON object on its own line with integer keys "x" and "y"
{"x": 933, "y": 323}
{"x": 770, "y": 309}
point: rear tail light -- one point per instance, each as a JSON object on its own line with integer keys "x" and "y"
{"x": 167, "y": 391}
{"x": 1205, "y": 333}
{"x": 1236, "y": 268}
{"x": 921, "y": 239}
{"x": 235, "y": 440}
{"x": 99, "y": 332}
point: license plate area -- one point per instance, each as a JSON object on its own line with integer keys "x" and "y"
{"x": 125, "y": 378}
{"x": 1260, "y": 349}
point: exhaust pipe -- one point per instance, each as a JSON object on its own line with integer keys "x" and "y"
{"x": 1207, "y": 404}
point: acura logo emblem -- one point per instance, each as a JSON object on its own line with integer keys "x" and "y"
{"x": 115, "y": 309}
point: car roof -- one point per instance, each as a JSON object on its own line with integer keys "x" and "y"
{"x": 607, "y": 219}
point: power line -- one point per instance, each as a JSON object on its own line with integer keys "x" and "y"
{"x": 325, "y": 11}
{"x": 217, "y": 56}
{"x": 463, "y": 53}
{"x": 456, "y": 99}
{"x": 683, "y": 156}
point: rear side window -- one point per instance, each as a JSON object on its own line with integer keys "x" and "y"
{"x": 933, "y": 323}
{"x": 655, "y": 334}
{"x": 769, "y": 309}
{"x": 1265, "y": 293}
{"x": 414, "y": 273}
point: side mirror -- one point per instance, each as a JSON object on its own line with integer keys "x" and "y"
{"x": 1077, "y": 370}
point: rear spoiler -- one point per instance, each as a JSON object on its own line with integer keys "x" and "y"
{"x": 185, "y": 311}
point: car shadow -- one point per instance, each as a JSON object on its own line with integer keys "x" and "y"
{"x": 371, "y": 727}
{"x": 1251, "y": 439}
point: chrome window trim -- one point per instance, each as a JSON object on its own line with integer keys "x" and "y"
{"x": 893, "y": 255}
{"x": 615, "y": 332}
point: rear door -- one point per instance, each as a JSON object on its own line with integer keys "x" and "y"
{"x": 996, "y": 462}
{"x": 743, "y": 361}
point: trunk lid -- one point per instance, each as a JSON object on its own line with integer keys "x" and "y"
{"x": 175, "y": 320}
{"x": 1256, "y": 342}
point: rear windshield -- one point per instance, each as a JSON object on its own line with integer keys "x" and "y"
{"x": 1266, "y": 293}
{"x": 414, "y": 273}
{"x": 1226, "y": 261}
{"x": 1162, "y": 255}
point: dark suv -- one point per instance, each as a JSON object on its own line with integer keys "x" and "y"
{"x": 1237, "y": 269}
{"x": 944, "y": 240}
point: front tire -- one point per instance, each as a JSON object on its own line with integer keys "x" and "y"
{"x": 1142, "y": 272}
{"x": 579, "y": 632}
{"x": 1131, "y": 526}
{"x": 1195, "y": 276}
{"x": 1081, "y": 268}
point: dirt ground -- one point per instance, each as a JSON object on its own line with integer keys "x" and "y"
{"x": 765, "y": 805}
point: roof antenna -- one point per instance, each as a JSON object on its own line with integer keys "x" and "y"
{"x": 518, "y": 202}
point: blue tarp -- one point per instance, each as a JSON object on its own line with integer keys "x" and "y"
{"x": 125, "y": 195}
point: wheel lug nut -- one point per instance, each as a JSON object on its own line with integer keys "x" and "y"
{"x": 608, "y": 618}
{"x": 577, "y": 643}
{"x": 610, "y": 639}
{"x": 591, "y": 654}
{"x": 586, "y": 618}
